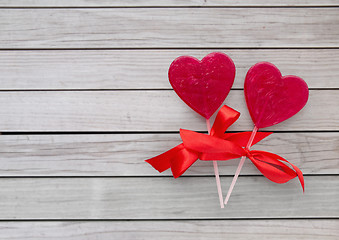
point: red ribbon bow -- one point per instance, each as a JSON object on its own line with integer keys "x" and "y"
{"x": 224, "y": 146}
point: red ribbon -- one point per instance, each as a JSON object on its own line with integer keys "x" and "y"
{"x": 224, "y": 146}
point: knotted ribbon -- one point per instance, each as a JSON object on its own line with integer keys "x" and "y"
{"x": 222, "y": 146}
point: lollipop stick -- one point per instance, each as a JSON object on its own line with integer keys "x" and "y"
{"x": 242, "y": 161}
{"x": 216, "y": 170}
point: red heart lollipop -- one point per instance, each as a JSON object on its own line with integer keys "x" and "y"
{"x": 202, "y": 85}
{"x": 272, "y": 98}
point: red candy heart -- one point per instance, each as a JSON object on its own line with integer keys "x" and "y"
{"x": 202, "y": 85}
{"x": 272, "y": 98}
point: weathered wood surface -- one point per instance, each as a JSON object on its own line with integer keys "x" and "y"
{"x": 169, "y": 28}
{"x": 163, "y": 3}
{"x": 60, "y": 182}
{"x": 147, "y": 69}
{"x": 168, "y": 230}
{"x": 165, "y": 198}
{"x": 124, "y": 154}
{"x": 141, "y": 111}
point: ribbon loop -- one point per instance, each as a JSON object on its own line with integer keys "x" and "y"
{"x": 225, "y": 118}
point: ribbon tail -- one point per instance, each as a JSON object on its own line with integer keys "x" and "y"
{"x": 271, "y": 167}
{"x": 162, "y": 162}
{"x": 182, "y": 161}
{"x": 296, "y": 169}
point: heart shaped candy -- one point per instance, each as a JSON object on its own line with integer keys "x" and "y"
{"x": 202, "y": 85}
{"x": 272, "y": 98}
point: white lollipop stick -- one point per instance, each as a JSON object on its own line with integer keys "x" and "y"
{"x": 242, "y": 161}
{"x": 216, "y": 171}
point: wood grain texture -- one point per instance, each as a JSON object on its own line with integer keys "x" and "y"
{"x": 141, "y": 111}
{"x": 89, "y": 186}
{"x": 124, "y": 154}
{"x": 169, "y": 28}
{"x": 175, "y": 3}
{"x": 165, "y": 198}
{"x": 168, "y": 230}
{"x": 147, "y": 69}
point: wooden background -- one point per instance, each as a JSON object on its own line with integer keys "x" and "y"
{"x": 84, "y": 99}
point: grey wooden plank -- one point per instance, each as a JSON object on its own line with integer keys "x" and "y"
{"x": 141, "y": 111}
{"x": 147, "y": 69}
{"x": 168, "y": 230}
{"x": 124, "y": 154}
{"x": 145, "y": 3}
{"x": 169, "y": 28}
{"x": 165, "y": 198}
